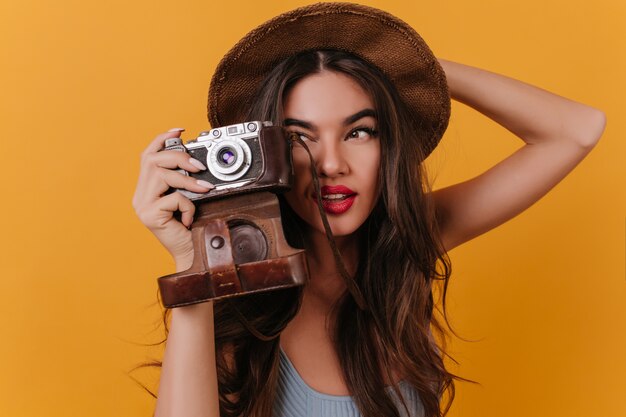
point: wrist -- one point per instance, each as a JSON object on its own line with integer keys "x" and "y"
{"x": 195, "y": 318}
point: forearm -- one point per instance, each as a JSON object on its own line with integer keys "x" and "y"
{"x": 531, "y": 113}
{"x": 188, "y": 384}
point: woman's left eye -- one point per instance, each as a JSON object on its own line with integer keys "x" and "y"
{"x": 363, "y": 133}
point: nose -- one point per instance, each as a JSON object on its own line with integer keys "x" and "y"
{"x": 330, "y": 159}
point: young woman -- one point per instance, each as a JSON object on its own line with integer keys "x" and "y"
{"x": 367, "y": 135}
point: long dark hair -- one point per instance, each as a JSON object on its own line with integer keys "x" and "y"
{"x": 401, "y": 257}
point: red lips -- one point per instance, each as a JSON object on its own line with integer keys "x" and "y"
{"x": 336, "y": 204}
{"x": 336, "y": 189}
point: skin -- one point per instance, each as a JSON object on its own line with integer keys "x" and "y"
{"x": 557, "y": 133}
{"x": 317, "y": 108}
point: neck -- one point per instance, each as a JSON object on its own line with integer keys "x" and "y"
{"x": 326, "y": 284}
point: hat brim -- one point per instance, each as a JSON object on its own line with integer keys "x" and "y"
{"x": 373, "y": 35}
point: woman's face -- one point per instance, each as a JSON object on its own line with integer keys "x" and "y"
{"x": 335, "y": 117}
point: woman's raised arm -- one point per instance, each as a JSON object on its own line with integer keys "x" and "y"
{"x": 558, "y": 133}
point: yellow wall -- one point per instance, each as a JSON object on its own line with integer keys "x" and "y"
{"x": 86, "y": 85}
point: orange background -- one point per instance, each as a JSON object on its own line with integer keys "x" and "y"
{"x": 86, "y": 85}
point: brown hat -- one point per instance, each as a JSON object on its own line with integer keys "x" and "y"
{"x": 373, "y": 35}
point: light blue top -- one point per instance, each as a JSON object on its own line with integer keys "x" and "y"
{"x": 294, "y": 398}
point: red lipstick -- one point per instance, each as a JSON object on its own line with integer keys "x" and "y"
{"x": 336, "y": 199}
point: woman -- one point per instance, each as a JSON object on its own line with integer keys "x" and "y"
{"x": 367, "y": 132}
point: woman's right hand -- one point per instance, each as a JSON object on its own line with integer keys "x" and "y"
{"x": 156, "y": 210}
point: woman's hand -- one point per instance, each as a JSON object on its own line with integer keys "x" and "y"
{"x": 156, "y": 210}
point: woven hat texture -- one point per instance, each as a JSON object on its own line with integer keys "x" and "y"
{"x": 373, "y": 35}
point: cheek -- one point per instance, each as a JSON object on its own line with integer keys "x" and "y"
{"x": 301, "y": 167}
{"x": 368, "y": 166}
{"x": 300, "y": 160}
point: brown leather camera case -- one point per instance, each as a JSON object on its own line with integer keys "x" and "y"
{"x": 214, "y": 274}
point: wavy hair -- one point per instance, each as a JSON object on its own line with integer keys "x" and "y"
{"x": 401, "y": 256}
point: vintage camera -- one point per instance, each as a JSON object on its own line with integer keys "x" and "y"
{"x": 240, "y": 158}
{"x": 238, "y": 240}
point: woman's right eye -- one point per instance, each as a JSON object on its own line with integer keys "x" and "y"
{"x": 303, "y": 136}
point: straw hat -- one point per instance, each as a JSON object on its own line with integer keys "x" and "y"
{"x": 373, "y": 35}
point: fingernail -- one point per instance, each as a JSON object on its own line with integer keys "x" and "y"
{"x": 176, "y": 129}
{"x": 197, "y": 164}
{"x": 205, "y": 184}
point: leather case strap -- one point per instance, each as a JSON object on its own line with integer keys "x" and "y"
{"x": 184, "y": 289}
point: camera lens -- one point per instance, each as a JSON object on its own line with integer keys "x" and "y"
{"x": 229, "y": 159}
{"x": 248, "y": 243}
{"x": 226, "y": 157}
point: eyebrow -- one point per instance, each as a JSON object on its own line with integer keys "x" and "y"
{"x": 347, "y": 121}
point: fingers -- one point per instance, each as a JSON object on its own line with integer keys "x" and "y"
{"x": 158, "y": 142}
{"x": 157, "y": 173}
{"x": 164, "y": 179}
{"x": 158, "y": 214}
{"x": 152, "y": 187}
{"x": 172, "y": 160}
{"x": 178, "y": 202}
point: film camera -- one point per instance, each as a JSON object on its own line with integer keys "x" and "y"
{"x": 240, "y": 158}
{"x": 239, "y": 245}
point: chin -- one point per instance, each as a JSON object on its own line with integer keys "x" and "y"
{"x": 339, "y": 227}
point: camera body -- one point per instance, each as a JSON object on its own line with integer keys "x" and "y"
{"x": 240, "y": 158}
